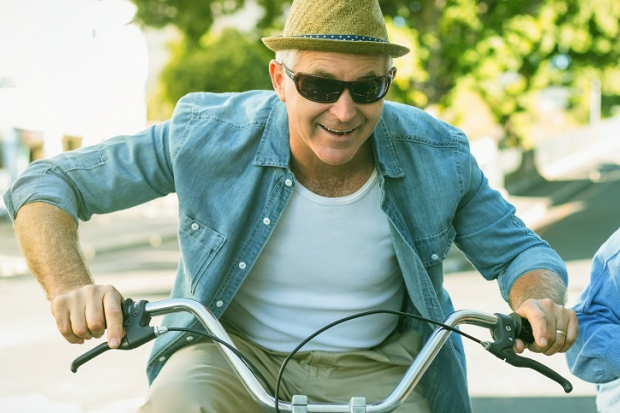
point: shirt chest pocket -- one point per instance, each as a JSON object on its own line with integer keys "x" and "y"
{"x": 199, "y": 245}
{"x": 434, "y": 249}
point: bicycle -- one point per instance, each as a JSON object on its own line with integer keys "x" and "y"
{"x": 504, "y": 330}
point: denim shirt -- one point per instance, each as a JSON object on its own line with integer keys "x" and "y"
{"x": 595, "y": 356}
{"x": 227, "y": 158}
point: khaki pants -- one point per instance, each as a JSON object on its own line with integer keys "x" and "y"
{"x": 197, "y": 378}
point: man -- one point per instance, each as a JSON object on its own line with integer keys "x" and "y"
{"x": 297, "y": 208}
{"x": 595, "y": 357}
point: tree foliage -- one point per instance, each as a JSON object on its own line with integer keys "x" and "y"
{"x": 225, "y": 62}
{"x": 507, "y": 51}
{"x": 192, "y": 18}
{"x": 228, "y": 61}
{"x": 195, "y": 18}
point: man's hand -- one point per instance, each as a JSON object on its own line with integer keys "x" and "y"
{"x": 48, "y": 237}
{"x": 539, "y": 296}
{"x": 554, "y": 327}
{"x": 86, "y": 312}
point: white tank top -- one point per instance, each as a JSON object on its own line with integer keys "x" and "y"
{"x": 328, "y": 258}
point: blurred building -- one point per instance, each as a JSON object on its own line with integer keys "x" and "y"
{"x": 73, "y": 73}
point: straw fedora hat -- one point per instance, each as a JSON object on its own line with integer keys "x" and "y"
{"x": 348, "y": 26}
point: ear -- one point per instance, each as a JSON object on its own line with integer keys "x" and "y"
{"x": 277, "y": 79}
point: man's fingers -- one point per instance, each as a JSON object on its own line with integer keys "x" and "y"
{"x": 540, "y": 327}
{"x": 95, "y": 317}
{"x": 558, "y": 330}
{"x": 61, "y": 311}
{"x": 79, "y": 325}
{"x": 65, "y": 327}
{"x": 565, "y": 331}
{"x": 571, "y": 331}
{"x": 83, "y": 313}
{"x": 545, "y": 317}
{"x": 557, "y": 343}
{"x": 553, "y": 326}
{"x": 112, "y": 304}
{"x": 519, "y": 346}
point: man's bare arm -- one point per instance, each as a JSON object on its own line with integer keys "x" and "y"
{"x": 538, "y": 284}
{"x": 540, "y": 296}
{"x": 48, "y": 238}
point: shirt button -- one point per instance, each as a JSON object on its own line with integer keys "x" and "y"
{"x": 266, "y": 221}
{"x": 219, "y": 303}
{"x": 288, "y": 182}
{"x": 434, "y": 257}
{"x": 189, "y": 338}
{"x": 195, "y": 226}
{"x": 242, "y": 265}
{"x": 162, "y": 359}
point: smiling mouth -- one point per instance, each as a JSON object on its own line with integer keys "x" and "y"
{"x": 338, "y": 131}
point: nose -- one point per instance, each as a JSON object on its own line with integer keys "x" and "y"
{"x": 344, "y": 109}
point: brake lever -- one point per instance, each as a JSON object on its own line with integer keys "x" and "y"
{"x": 137, "y": 332}
{"x": 507, "y": 329}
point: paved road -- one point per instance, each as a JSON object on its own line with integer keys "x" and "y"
{"x": 585, "y": 222}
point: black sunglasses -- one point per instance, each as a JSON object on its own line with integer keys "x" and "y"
{"x": 325, "y": 90}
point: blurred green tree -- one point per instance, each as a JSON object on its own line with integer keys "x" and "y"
{"x": 229, "y": 61}
{"x": 192, "y": 18}
{"x": 508, "y": 51}
{"x": 195, "y": 18}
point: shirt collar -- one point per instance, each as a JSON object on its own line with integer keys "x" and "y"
{"x": 384, "y": 151}
{"x": 274, "y": 148}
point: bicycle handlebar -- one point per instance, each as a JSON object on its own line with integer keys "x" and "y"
{"x": 504, "y": 330}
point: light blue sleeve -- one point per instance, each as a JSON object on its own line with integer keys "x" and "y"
{"x": 495, "y": 240}
{"x": 118, "y": 173}
{"x": 595, "y": 356}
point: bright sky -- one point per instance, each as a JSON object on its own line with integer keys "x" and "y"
{"x": 79, "y": 69}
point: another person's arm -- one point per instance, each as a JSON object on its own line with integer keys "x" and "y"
{"x": 595, "y": 357}
{"x": 48, "y": 238}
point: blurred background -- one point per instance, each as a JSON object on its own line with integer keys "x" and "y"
{"x": 535, "y": 84}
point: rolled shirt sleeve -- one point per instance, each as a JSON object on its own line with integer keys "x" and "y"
{"x": 495, "y": 240}
{"x": 118, "y": 173}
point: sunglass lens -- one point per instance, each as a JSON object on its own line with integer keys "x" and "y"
{"x": 319, "y": 89}
{"x": 370, "y": 90}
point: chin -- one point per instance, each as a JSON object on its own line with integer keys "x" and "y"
{"x": 336, "y": 160}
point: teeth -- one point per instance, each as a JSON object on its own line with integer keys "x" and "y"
{"x": 340, "y": 132}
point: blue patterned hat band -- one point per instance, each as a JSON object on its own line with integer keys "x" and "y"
{"x": 349, "y": 37}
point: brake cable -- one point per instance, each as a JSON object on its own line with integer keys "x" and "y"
{"x": 352, "y": 317}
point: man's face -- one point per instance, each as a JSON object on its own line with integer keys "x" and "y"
{"x": 329, "y": 133}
